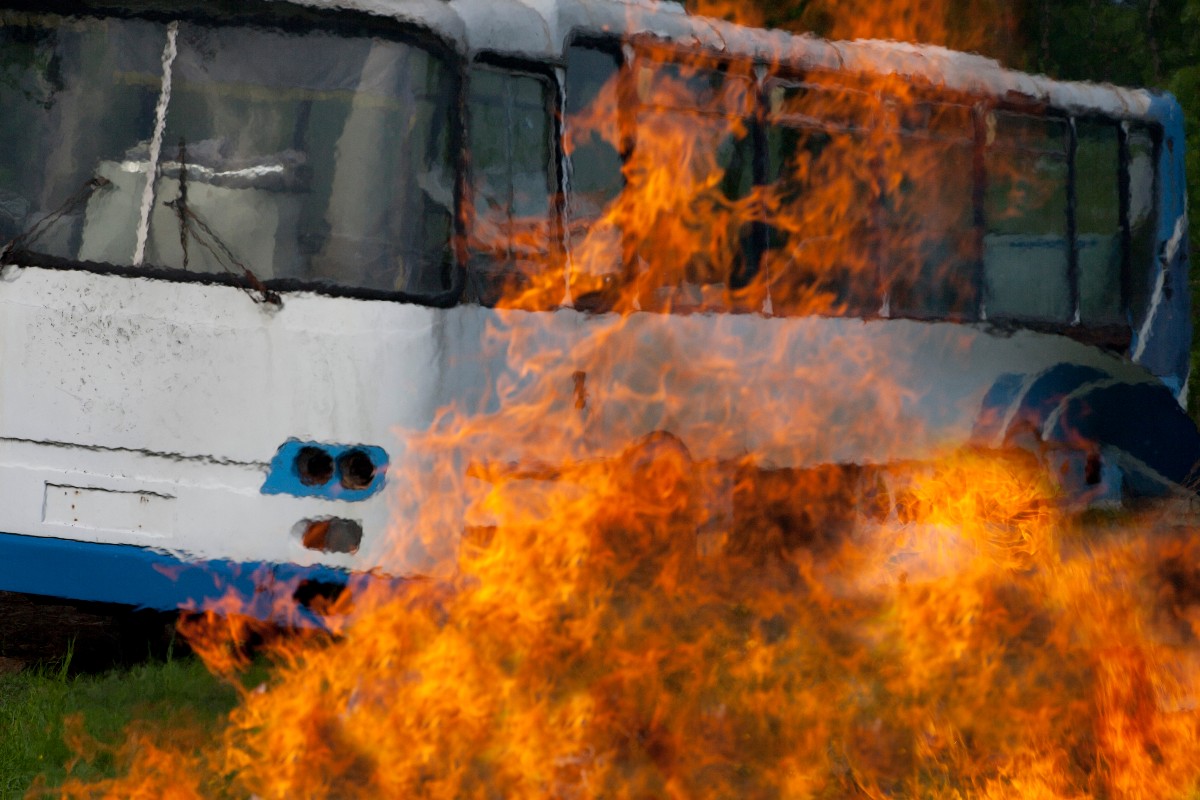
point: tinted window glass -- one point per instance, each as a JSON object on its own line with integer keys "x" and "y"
{"x": 930, "y": 248}
{"x": 594, "y": 135}
{"x": 1026, "y": 244}
{"x": 822, "y": 201}
{"x": 692, "y": 166}
{"x": 304, "y": 156}
{"x": 591, "y": 131}
{"x": 76, "y": 94}
{"x": 1143, "y": 261}
{"x": 1098, "y": 222}
{"x": 511, "y": 177}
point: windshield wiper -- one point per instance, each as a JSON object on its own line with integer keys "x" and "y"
{"x": 191, "y": 225}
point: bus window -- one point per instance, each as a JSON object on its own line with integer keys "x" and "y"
{"x": 1025, "y": 254}
{"x": 509, "y": 140}
{"x": 1098, "y": 222}
{"x": 593, "y": 137}
{"x": 76, "y": 94}
{"x": 1142, "y": 158}
{"x": 387, "y": 221}
{"x": 930, "y": 252}
{"x": 683, "y": 262}
{"x": 592, "y": 132}
{"x": 822, "y": 199}
{"x": 307, "y": 157}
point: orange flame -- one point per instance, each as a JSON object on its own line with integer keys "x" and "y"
{"x": 968, "y": 642}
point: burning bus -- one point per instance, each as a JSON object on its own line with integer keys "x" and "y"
{"x": 330, "y": 231}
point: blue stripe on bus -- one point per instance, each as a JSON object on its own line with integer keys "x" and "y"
{"x": 146, "y": 578}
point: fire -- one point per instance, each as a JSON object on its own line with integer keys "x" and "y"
{"x": 592, "y": 625}
{"x": 971, "y": 642}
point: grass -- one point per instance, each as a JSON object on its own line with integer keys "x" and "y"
{"x": 39, "y": 706}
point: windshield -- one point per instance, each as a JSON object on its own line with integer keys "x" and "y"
{"x": 306, "y": 157}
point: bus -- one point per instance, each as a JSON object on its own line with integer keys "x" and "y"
{"x": 251, "y": 249}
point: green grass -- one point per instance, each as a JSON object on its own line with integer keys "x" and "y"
{"x": 36, "y": 707}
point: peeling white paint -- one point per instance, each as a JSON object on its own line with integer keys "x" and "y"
{"x": 1170, "y": 251}
{"x": 170, "y": 50}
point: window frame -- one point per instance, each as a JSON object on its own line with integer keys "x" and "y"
{"x": 609, "y": 45}
{"x": 630, "y": 52}
{"x": 1113, "y": 337}
{"x": 828, "y": 81}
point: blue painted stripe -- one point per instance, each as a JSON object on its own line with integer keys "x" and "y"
{"x": 146, "y": 578}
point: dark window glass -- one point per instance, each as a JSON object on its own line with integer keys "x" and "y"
{"x": 509, "y": 138}
{"x": 76, "y": 93}
{"x": 1098, "y": 222}
{"x": 305, "y": 156}
{"x": 592, "y": 131}
{"x": 1026, "y": 244}
{"x": 1143, "y": 260}
{"x": 593, "y": 138}
{"x": 695, "y": 122}
{"x": 822, "y": 201}
{"x": 930, "y": 247}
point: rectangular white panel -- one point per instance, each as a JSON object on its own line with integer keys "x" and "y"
{"x": 143, "y": 513}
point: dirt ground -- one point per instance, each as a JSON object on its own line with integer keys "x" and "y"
{"x": 37, "y": 630}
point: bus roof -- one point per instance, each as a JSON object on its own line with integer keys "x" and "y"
{"x": 541, "y": 29}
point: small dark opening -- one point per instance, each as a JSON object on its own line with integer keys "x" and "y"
{"x": 356, "y": 470}
{"x": 1091, "y": 469}
{"x": 318, "y": 594}
{"x": 314, "y": 466}
{"x": 332, "y": 535}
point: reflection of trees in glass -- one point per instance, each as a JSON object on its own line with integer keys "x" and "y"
{"x": 512, "y": 174}
{"x": 1098, "y": 221}
{"x": 28, "y": 65}
{"x": 821, "y": 200}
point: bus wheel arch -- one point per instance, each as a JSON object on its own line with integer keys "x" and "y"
{"x": 650, "y": 529}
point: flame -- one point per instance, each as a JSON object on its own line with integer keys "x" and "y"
{"x": 593, "y": 624}
{"x": 971, "y": 642}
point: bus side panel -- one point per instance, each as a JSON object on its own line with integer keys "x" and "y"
{"x": 795, "y": 392}
{"x": 150, "y": 413}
